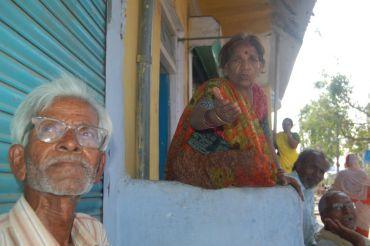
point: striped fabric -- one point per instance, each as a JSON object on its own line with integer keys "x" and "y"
{"x": 21, "y": 226}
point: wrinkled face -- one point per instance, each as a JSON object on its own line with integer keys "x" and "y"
{"x": 64, "y": 167}
{"x": 287, "y": 124}
{"x": 340, "y": 207}
{"x": 311, "y": 173}
{"x": 244, "y": 66}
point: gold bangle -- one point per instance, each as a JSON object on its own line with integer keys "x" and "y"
{"x": 219, "y": 118}
{"x": 206, "y": 121}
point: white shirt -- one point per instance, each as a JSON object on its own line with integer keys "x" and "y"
{"x": 310, "y": 225}
{"x": 21, "y": 226}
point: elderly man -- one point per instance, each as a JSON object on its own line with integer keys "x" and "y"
{"x": 338, "y": 215}
{"x": 355, "y": 182}
{"x": 309, "y": 170}
{"x": 60, "y": 136}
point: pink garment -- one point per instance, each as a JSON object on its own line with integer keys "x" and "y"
{"x": 354, "y": 182}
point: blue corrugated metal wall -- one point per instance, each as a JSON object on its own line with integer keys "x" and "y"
{"x": 39, "y": 40}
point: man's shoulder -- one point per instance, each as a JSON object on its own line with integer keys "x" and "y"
{"x": 4, "y": 221}
{"x": 295, "y": 175}
{"x": 7, "y": 233}
{"x": 88, "y": 222}
{"x": 85, "y": 218}
{"x": 306, "y": 192}
{"x": 327, "y": 238}
{"x": 90, "y": 228}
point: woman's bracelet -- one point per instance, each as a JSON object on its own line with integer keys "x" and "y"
{"x": 280, "y": 171}
{"x": 206, "y": 120}
{"x": 219, "y": 119}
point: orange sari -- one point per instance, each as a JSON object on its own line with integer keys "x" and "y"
{"x": 231, "y": 155}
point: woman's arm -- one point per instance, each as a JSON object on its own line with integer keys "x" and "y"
{"x": 268, "y": 135}
{"x": 209, "y": 113}
{"x": 203, "y": 116}
{"x": 293, "y": 143}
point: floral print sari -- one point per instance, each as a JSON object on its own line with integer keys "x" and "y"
{"x": 235, "y": 154}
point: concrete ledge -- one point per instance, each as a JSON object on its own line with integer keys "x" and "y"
{"x": 169, "y": 213}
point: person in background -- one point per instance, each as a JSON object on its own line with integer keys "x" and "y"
{"x": 223, "y": 137}
{"x": 355, "y": 183}
{"x": 60, "y": 134}
{"x": 286, "y": 143}
{"x": 337, "y": 212}
{"x": 309, "y": 170}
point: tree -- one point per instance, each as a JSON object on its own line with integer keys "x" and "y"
{"x": 335, "y": 122}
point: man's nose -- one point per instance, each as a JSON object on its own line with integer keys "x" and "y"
{"x": 69, "y": 142}
{"x": 346, "y": 210}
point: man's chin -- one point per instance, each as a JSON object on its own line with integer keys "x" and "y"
{"x": 64, "y": 190}
{"x": 310, "y": 184}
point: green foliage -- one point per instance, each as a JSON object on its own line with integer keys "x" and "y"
{"x": 326, "y": 122}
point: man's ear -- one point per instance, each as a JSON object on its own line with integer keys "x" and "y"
{"x": 17, "y": 161}
{"x": 100, "y": 169}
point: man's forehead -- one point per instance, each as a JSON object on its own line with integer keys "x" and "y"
{"x": 339, "y": 198}
{"x": 72, "y": 108}
{"x": 68, "y": 102}
{"x": 317, "y": 161}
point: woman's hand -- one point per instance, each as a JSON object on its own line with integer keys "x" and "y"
{"x": 224, "y": 112}
{"x": 284, "y": 180}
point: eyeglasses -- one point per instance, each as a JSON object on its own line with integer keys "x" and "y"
{"x": 341, "y": 206}
{"x": 49, "y": 130}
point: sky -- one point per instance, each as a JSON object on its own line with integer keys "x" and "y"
{"x": 337, "y": 40}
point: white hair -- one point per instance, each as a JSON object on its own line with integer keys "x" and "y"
{"x": 44, "y": 95}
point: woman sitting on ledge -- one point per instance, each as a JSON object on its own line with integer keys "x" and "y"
{"x": 223, "y": 137}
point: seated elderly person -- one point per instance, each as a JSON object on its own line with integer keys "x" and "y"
{"x": 355, "y": 182}
{"x": 338, "y": 215}
{"x": 309, "y": 170}
{"x": 60, "y": 136}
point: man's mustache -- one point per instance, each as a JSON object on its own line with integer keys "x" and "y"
{"x": 65, "y": 158}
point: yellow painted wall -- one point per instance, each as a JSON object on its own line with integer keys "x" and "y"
{"x": 182, "y": 11}
{"x": 253, "y": 16}
{"x": 130, "y": 82}
{"x": 130, "y": 86}
{"x": 181, "y": 7}
{"x": 154, "y": 94}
